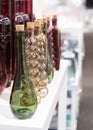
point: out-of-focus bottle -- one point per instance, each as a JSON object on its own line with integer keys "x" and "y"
{"x": 28, "y": 8}
{"x": 31, "y": 57}
{"x": 50, "y": 69}
{"x": 49, "y": 38}
{"x": 5, "y": 37}
{"x": 41, "y": 57}
{"x": 18, "y": 16}
{"x": 56, "y": 43}
{"x": 3, "y": 74}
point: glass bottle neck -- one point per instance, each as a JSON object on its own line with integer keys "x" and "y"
{"x": 45, "y": 28}
{"x": 48, "y": 24}
{"x": 54, "y": 22}
{"x": 28, "y": 5}
{"x": 29, "y": 32}
{"x": 25, "y": 6}
{"x": 19, "y": 6}
{"x": 21, "y": 56}
{"x": 37, "y": 31}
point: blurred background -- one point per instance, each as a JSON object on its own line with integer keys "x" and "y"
{"x": 75, "y": 20}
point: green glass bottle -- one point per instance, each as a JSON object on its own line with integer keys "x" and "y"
{"x": 50, "y": 68}
{"x": 23, "y": 100}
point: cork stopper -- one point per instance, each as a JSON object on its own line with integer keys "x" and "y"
{"x": 30, "y": 25}
{"x": 55, "y": 16}
{"x": 19, "y": 27}
{"x": 37, "y": 23}
{"x": 40, "y": 21}
{"x": 48, "y": 18}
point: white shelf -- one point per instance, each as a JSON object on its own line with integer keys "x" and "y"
{"x": 42, "y": 117}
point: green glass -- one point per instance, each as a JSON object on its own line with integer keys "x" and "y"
{"x": 23, "y": 100}
{"x": 50, "y": 68}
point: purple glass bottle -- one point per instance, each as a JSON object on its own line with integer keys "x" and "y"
{"x": 3, "y": 72}
{"x": 5, "y": 38}
{"x": 12, "y": 17}
{"x": 56, "y": 43}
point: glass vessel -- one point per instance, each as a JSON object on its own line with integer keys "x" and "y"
{"x": 23, "y": 100}
{"x": 50, "y": 69}
{"x": 5, "y": 37}
{"x": 49, "y": 39}
{"x": 3, "y": 74}
{"x": 17, "y": 16}
{"x": 31, "y": 53}
{"x": 56, "y": 43}
{"x": 28, "y": 8}
{"x": 41, "y": 57}
{"x": 12, "y": 18}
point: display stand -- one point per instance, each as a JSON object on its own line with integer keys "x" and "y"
{"x": 43, "y": 115}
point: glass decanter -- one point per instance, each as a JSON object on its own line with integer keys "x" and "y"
{"x": 32, "y": 61}
{"x": 41, "y": 57}
{"x": 50, "y": 68}
{"x": 55, "y": 42}
{"x": 5, "y": 37}
{"x": 23, "y": 100}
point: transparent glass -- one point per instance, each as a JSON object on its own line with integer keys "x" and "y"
{"x": 36, "y": 62}
{"x": 5, "y": 37}
{"x": 50, "y": 68}
{"x": 56, "y": 43}
{"x": 41, "y": 56}
{"x": 23, "y": 100}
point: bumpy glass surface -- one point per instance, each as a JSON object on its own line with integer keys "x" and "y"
{"x": 36, "y": 61}
{"x": 56, "y": 44}
{"x": 23, "y": 99}
{"x": 50, "y": 69}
